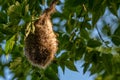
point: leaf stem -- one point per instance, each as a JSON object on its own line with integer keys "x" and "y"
{"x": 101, "y": 36}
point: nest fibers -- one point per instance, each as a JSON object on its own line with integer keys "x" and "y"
{"x": 41, "y": 46}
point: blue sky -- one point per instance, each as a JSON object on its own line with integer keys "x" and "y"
{"x": 68, "y": 74}
{"x": 73, "y": 75}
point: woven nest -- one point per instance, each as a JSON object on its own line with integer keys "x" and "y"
{"x": 41, "y": 46}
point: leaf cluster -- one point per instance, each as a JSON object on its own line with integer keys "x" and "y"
{"x": 76, "y": 37}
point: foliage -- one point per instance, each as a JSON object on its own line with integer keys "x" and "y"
{"x": 81, "y": 37}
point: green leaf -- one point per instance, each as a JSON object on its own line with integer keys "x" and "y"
{"x": 116, "y": 61}
{"x": 113, "y": 8}
{"x": 117, "y": 31}
{"x": 50, "y": 74}
{"x": 54, "y": 67}
{"x": 84, "y": 33}
{"x": 73, "y": 3}
{"x": 85, "y": 67}
{"x": 26, "y": 9}
{"x": 43, "y": 78}
{"x": 92, "y": 56}
{"x": 1, "y": 37}
{"x": 94, "y": 43}
{"x": 70, "y": 23}
{"x": 37, "y": 74}
{"x": 62, "y": 59}
{"x": 15, "y": 63}
{"x": 3, "y": 17}
{"x": 95, "y": 18}
{"x": 95, "y": 56}
{"x": 79, "y": 53}
{"x": 0, "y": 50}
{"x": 20, "y": 67}
{"x": 34, "y": 6}
{"x": 80, "y": 49}
{"x": 9, "y": 29}
{"x": 9, "y": 44}
{"x": 63, "y": 38}
{"x": 98, "y": 9}
{"x": 14, "y": 12}
{"x": 88, "y": 26}
{"x": 116, "y": 36}
{"x": 117, "y": 49}
{"x": 106, "y": 60}
{"x": 96, "y": 68}
{"x": 106, "y": 30}
{"x": 116, "y": 40}
{"x": 70, "y": 65}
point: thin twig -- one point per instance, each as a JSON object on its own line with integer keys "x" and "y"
{"x": 51, "y": 9}
{"x": 101, "y": 36}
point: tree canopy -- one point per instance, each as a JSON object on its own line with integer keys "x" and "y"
{"x": 87, "y": 30}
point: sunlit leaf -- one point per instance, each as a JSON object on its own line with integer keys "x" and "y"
{"x": 26, "y": 9}
{"x": 14, "y": 12}
{"x": 15, "y": 63}
{"x": 9, "y": 44}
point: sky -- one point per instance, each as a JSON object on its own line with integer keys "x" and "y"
{"x": 68, "y": 74}
{"x": 73, "y": 75}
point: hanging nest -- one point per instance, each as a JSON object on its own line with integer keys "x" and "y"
{"x": 41, "y": 45}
